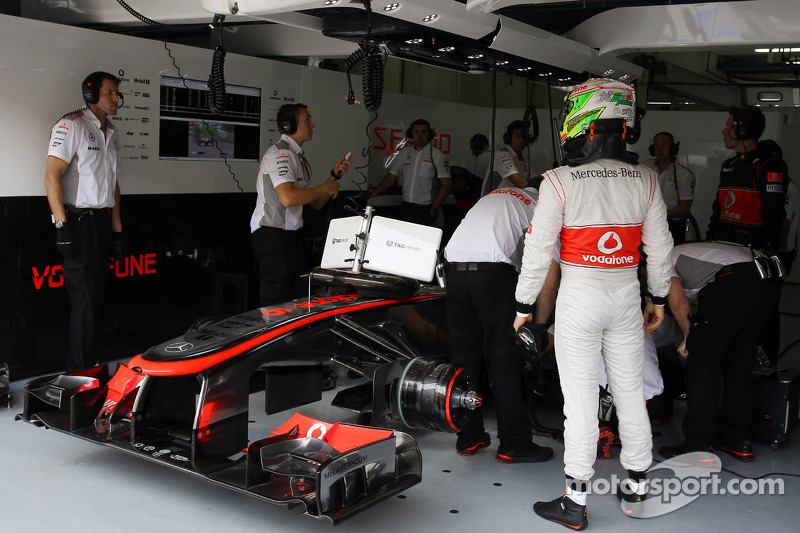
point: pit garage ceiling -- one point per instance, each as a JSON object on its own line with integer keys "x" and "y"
{"x": 684, "y": 51}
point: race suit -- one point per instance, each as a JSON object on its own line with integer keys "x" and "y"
{"x": 750, "y": 204}
{"x": 602, "y": 211}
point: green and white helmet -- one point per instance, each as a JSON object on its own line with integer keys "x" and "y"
{"x": 597, "y": 98}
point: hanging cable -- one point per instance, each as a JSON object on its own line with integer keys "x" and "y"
{"x": 372, "y": 74}
{"x": 366, "y": 152}
{"x": 217, "y": 96}
{"x": 208, "y": 129}
{"x": 530, "y": 121}
{"x": 372, "y": 78}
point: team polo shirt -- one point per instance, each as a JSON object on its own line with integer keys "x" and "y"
{"x": 506, "y": 163}
{"x": 493, "y": 230}
{"x": 671, "y": 193}
{"x": 91, "y": 177}
{"x": 281, "y": 164}
{"x": 417, "y": 170}
{"x": 696, "y": 264}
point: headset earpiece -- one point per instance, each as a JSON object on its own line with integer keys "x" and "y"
{"x": 674, "y": 146}
{"x": 90, "y": 88}
{"x": 421, "y": 122}
{"x": 288, "y": 125}
{"x": 509, "y": 133}
{"x": 741, "y": 129}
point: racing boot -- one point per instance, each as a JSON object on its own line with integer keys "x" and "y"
{"x": 563, "y": 511}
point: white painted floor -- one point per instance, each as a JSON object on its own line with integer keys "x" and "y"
{"x": 53, "y": 482}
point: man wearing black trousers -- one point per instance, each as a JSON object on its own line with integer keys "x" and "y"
{"x": 483, "y": 258}
{"x": 84, "y": 195}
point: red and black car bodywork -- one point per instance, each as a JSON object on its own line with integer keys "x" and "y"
{"x": 185, "y": 402}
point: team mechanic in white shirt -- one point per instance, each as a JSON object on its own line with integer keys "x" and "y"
{"x": 733, "y": 305}
{"x": 677, "y": 182}
{"x": 425, "y": 174}
{"x": 483, "y": 257}
{"x": 602, "y": 207}
{"x": 510, "y": 169}
{"x": 83, "y": 193}
{"x": 284, "y": 187}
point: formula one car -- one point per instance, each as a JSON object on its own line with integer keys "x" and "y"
{"x": 187, "y": 402}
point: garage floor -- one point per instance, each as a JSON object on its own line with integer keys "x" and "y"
{"x": 52, "y": 482}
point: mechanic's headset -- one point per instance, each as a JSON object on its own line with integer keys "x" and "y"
{"x": 509, "y": 133}
{"x": 288, "y": 124}
{"x": 90, "y": 88}
{"x": 421, "y": 122}
{"x": 741, "y": 129}
{"x": 674, "y": 146}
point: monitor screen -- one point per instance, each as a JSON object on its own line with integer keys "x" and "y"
{"x": 189, "y": 130}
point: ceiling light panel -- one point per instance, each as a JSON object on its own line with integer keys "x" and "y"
{"x": 451, "y": 17}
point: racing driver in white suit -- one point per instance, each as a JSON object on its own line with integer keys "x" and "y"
{"x": 602, "y": 205}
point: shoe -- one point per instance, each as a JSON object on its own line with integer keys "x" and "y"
{"x": 742, "y": 451}
{"x": 604, "y": 443}
{"x": 625, "y": 493}
{"x": 668, "y": 452}
{"x": 563, "y": 511}
{"x": 468, "y": 445}
{"x": 532, "y": 453}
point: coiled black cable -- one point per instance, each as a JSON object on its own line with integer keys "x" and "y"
{"x": 217, "y": 96}
{"x": 372, "y": 75}
{"x": 530, "y": 124}
{"x": 350, "y": 62}
{"x": 216, "y": 144}
{"x": 372, "y": 79}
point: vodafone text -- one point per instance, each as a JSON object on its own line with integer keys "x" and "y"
{"x": 134, "y": 265}
{"x": 522, "y": 197}
{"x": 608, "y": 259}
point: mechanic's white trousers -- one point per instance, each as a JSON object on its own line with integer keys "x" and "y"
{"x": 592, "y": 323}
